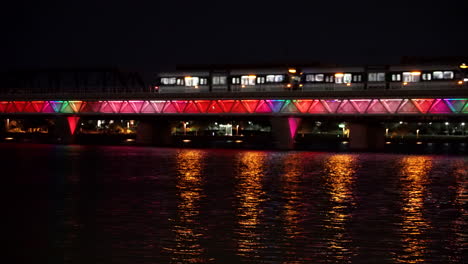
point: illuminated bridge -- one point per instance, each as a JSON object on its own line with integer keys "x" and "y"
{"x": 284, "y": 109}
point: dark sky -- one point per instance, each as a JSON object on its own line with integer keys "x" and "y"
{"x": 151, "y": 35}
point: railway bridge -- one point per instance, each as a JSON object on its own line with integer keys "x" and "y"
{"x": 363, "y": 110}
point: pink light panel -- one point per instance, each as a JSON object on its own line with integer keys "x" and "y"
{"x": 400, "y": 106}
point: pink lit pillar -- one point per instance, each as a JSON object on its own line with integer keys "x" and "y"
{"x": 284, "y": 130}
{"x": 64, "y": 131}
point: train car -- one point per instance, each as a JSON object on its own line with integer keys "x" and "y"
{"x": 316, "y": 78}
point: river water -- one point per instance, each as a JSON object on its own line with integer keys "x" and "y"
{"x": 120, "y": 204}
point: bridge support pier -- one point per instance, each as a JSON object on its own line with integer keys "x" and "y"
{"x": 284, "y": 130}
{"x": 154, "y": 132}
{"x": 366, "y": 136}
{"x": 65, "y": 128}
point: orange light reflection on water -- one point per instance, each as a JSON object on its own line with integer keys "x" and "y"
{"x": 187, "y": 248}
{"x": 340, "y": 175}
{"x": 291, "y": 180}
{"x": 249, "y": 195}
{"x": 414, "y": 177}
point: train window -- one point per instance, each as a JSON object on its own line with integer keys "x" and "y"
{"x": 411, "y": 76}
{"x": 235, "y": 80}
{"x": 438, "y": 75}
{"x": 347, "y": 78}
{"x": 203, "y": 81}
{"x": 168, "y": 81}
{"x": 319, "y": 77}
{"x": 261, "y": 79}
{"x": 342, "y": 78}
{"x": 191, "y": 81}
{"x": 328, "y": 78}
{"x": 248, "y": 79}
{"x": 376, "y": 77}
{"x": 357, "y": 78}
{"x": 396, "y": 77}
{"x": 448, "y": 75}
{"x": 180, "y": 81}
{"x": 426, "y": 76}
{"x": 219, "y": 80}
{"x": 310, "y": 78}
{"x": 274, "y": 78}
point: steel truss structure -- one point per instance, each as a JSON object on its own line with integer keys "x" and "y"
{"x": 375, "y": 106}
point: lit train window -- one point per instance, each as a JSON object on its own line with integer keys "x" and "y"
{"x": 219, "y": 80}
{"x": 376, "y": 77}
{"x": 319, "y": 77}
{"x": 168, "y": 81}
{"x": 203, "y": 81}
{"x": 347, "y": 78}
{"x": 274, "y": 78}
{"x": 448, "y": 75}
{"x": 310, "y": 78}
{"x": 235, "y": 80}
{"x": 426, "y": 76}
{"x": 342, "y": 78}
{"x": 411, "y": 76}
{"x": 357, "y": 78}
{"x": 191, "y": 81}
{"x": 279, "y": 78}
{"x": 438, "y": 75}
{"x": 396, "y": 77}
{"x": 260, "y": 79}
{"x": 248, "y": 79}
{"x": 329, "y": 79}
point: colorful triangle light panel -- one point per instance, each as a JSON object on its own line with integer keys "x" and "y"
{"x": 66, "y": 108}
{"x": 191, "y": 108}
{"x": 408, "y": 107}
{"x": 376, "y": 107}
{"x": 250, "y": 105}
{"x": 456, "y": 105}
{"x": 275, "y": 105}
{"x": 347, "y": 108}
{"x": 214, "y": 108}
{"x": 3, "y": 106}
{"x": 170, "y": 108}
{"x": 47, "y": 108}
{"x": 158, "y": 105}
{"x": 317, "y": 107}
{"x": 239, "y": 108}
{"x": 331, "y": 105}
{"x": 289, "y": 107}
{"x": 263, "y": 107}
{"x": 75, "y": 105}
{"x": 440, "y": 107}
{"x": 361, "y": 105}
{"x": 423, "y": 104}
{"x": 203, "y": 105}
{"x": 303, "y": 105}
{"x": 391, "y": 104}
{"x": 227, "y": 105}
{"x": 147, "y": 108}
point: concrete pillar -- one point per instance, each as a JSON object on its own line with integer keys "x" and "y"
{"x": 154, "y": 132}
{"x": 366, "y": 136}
{"x": 284, "y": 130}
{"x": 65, "y": 128}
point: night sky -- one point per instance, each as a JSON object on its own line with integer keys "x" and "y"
{"x": 154, "y": 36}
